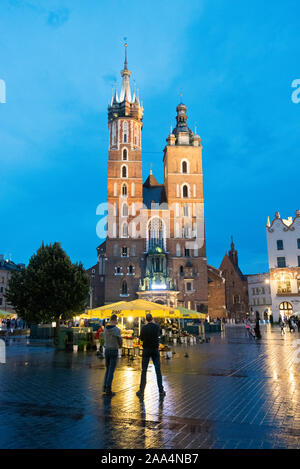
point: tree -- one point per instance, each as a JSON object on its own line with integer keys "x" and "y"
{"x": 50, "y": 288}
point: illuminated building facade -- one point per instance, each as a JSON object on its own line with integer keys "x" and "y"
{"x": 155, "y": 245}
{"x": 283, "y": 239}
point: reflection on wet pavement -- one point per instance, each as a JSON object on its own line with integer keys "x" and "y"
{"x": 233, "y": 392}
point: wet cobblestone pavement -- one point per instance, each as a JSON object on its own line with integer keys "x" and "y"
{"x": 233, "y": 392}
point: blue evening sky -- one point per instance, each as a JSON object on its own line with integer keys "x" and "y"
{"x": 233, "y": 61}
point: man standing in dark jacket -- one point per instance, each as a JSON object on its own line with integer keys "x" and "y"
{"x": 112, "y": 343}
{"x": 150, "y": 337}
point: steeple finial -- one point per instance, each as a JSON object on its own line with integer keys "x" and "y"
{"x": 125, "y": 45}
{"x": 180, "y": 98}
{"x": 151, "y": 168}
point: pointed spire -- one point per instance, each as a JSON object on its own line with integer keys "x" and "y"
{"x": 137, "y": 99}
{"x": 125, "y": 74}
{"x": 116, "y": 99}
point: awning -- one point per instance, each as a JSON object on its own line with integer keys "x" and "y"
{"x": 134, "y": 309}
{"x": 6, "y": 314}
{"x": 190, "y": 314}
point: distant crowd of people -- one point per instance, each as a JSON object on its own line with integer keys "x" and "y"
{"x": 12, "y": 324}
{"x": 293, "y": 323}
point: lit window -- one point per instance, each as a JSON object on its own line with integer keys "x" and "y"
{"x": 284, "y": 285}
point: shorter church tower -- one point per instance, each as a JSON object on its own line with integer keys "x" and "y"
{"x": 183, "y": 181}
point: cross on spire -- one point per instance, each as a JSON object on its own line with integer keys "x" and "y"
{"x": 125, "y": 45}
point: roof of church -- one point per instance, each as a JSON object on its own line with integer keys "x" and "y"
{"x": 151, "y": 181}
{"x": 153, "y": 192}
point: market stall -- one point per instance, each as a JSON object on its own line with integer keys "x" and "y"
{"x": 132, "y": 314}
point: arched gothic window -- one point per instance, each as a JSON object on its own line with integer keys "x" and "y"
{"x": 125, "y": 230}
{"x": 155, "y": 233}
{"x": 185, "y": 191}
{"x": 124, "y": 288}
{"x": 184, "y": 167}
{"x": 125, "y": 210}
{"x": 125, "y": 154}
{"x": 124, "y": 190}
{"x": 125, "y": 132}
{"x": 114, "y": 133}
{"x": 124, "y": 171}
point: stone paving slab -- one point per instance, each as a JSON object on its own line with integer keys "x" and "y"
{"x": 233, "y": 392}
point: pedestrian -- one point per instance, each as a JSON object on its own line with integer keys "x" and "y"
{"x": 282, "y": 326}
{"x": 150, "y": 337}
{"x": 257, "y": 329}
{"x": 112, "y": 343}
{"x": 292, "y": 325}
{"x": 247, "y": 328}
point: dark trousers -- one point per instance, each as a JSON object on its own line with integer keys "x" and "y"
{"x": 111, "y": 358}
{"x": 154, "y": 354}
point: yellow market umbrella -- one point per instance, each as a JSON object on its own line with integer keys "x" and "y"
{"x": 84, "y": 316}
{"x": 134, "y": 309}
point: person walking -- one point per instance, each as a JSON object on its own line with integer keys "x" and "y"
{"x": 282, "y": 326}
{"x": 112, "y": 343}
{"x": 257, "y": 328}
{"x": 247, "y": 328}
{"x": 292, "y": 325}
{"x": 150, "y": 337}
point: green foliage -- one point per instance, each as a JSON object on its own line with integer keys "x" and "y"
{"x": 50, "y": 288}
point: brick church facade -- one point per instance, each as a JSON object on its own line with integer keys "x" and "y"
{"x": 236, "y": 286}
{"x": 155, "y": 245}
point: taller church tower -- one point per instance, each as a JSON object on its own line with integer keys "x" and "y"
{"x": 124, "y": 190}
